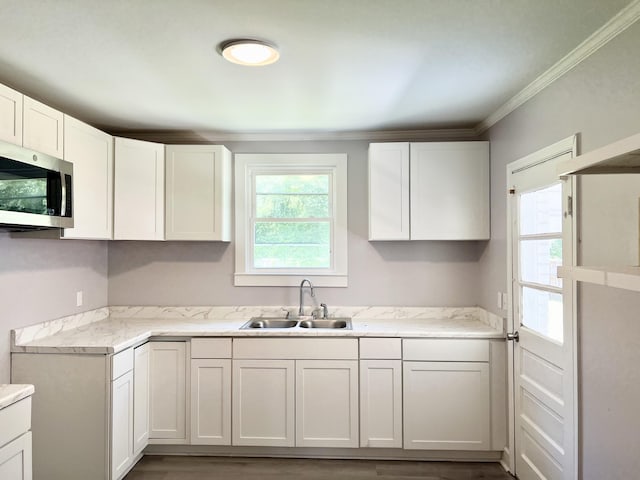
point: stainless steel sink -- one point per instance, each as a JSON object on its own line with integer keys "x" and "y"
{"x": 260, "y": 322}
{"x": 344, "y": 323}
{"x": 270, "y": 323}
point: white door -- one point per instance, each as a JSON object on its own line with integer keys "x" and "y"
{"x": 327, "y": 403}
{"x": 541, "y": 230}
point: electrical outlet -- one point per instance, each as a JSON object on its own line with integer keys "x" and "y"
{"x": 79, "y": 298}
{"x": 505, "y": 301}
{"x": 499, "y": 302}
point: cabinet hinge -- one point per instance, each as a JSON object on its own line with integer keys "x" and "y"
{"x": 569, "y": 205}
{"x": 512, "y": 191}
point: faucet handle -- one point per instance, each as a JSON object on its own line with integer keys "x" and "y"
{"x": 287, "y": 312}
{"x": 325, "y": 310}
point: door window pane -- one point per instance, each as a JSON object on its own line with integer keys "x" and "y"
{"x": 539, "y": 261}
{"x": 541, "y": 211}
{"x": 542, "y": 312}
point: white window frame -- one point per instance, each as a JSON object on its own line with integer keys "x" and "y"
{"x": 246, "y": 167}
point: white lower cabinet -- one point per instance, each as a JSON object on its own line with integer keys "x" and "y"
{"x": 210, "y": 401}
{"x": 381, "y": 403}
{"x": 167, "y": 396}
{"x": 263, "y": 403}
{"x": 15, "y": 441}
{"x": 295, "y": 392}
{"x": 446, "y": 394}
{"x": 15, "y": 459}
{"x": 141, "y": 359}
{"x": 326, "y": 403}
{"x": 121, "y": 424}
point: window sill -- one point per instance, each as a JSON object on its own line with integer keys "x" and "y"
{"x": 275, "y": 280}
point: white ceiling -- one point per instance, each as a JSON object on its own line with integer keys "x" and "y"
{"x": 346, "y": 65}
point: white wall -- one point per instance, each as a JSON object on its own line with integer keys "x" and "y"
{"x": 600, "y": 99}
{"x": 380, "y": 273}
{"x": 39, "y": 279}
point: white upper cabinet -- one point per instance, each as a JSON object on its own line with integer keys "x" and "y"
{"x": 29, "y": 123}
{"x": 138, "y": 190}
{"x": 450, "y": 191}
{"x": 198, "y": 192}
{"x": 429, "y": 191}
{"x": 43, "y": 128}
{"x": 10, "y": 115}
{"x": 91, "y": 152}
{"x": 389, "y": 191}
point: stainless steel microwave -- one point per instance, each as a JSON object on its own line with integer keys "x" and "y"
{"x": 35, "y": 190}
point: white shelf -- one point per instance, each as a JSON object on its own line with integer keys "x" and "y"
{"x": 627, "y": 278}
{"x": 622, "y": 156}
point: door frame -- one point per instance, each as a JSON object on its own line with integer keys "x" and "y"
{"x": 567, "y": 145}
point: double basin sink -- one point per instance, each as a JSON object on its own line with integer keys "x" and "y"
{"x": 271, "y": 323}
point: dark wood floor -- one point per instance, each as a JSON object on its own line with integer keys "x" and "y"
{"x": 201, "y": 468}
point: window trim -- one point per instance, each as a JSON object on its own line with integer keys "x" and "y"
{"x": 245, "y": 166}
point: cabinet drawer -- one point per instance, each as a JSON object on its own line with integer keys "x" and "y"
{"x": 445, "y": 350}
{"x": 121, "y": 363}
{"x": 210, "y": 348}
{"x": 381, "y": 348}
{"x": 15, "y": 420}
{"x": 296, "y": 348}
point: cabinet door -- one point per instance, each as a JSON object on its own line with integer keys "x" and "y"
{"x": 198, "y": 192}
{"x": 91, "y": 152}
{"x": 141, "y": 359}
{"x": 381, "y": 403}
{"x": 121, "y": 424}
{"x": 15, "y": 459}
{"x": 138, "y": 190}
{"x": 327, "y": 403}
{"x": 389, "y": 191}
{"x": 10, "y": 115}
{"x": 263, "y": 402}
{"x": 43, "y": 128}
{"x": 210, "y": 401}
{"x": 167, "y": 400}
{"x": 446, "y": 406}
{"x": 450, "y": 191}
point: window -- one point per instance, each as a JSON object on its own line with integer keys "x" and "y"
{"x": 291, "y": 219}
{"x": 540, "y": 251}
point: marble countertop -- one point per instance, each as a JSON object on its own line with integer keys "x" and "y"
{"x": 117, "y": 331}
{"x": 12, "y": 393}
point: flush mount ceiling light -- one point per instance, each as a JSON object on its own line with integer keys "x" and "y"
{"x": 248, "y": 52}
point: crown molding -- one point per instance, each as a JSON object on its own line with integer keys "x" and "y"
{"x": 619, "y": 23}
{"x": 194, "y": 137}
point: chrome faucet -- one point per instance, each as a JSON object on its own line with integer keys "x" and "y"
{"x": 301, "y": 309}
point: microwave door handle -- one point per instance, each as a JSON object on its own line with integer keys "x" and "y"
{"x": 63, "y": 198}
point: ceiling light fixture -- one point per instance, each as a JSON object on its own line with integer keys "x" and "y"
{"x": 249, "y": 52}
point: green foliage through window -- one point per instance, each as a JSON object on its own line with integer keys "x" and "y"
{"x": 286, "y": 243}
